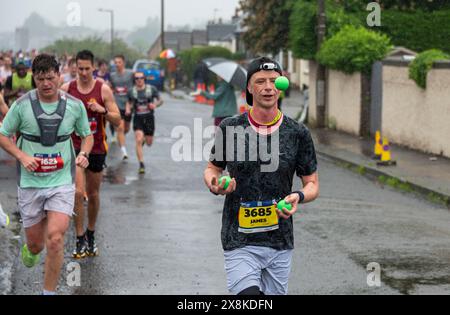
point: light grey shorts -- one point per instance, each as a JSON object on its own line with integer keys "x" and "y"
{"x": 34, "y": 203}
{"x": 264, "y": 267}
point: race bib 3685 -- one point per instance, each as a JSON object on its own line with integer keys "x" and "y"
{"x": 258, "y": 217}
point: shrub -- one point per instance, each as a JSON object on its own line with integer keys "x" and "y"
{"x": 354, "y": 50}
{"x": 418, "y": 69}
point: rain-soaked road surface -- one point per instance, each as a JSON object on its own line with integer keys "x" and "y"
{"x": 160, "y": 233}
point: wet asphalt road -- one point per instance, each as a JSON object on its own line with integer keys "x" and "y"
{"x": 160, "y": 233}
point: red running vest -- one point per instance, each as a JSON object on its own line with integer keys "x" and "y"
{"x": 97, "y": 121}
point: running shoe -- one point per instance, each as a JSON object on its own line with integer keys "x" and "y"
{"x": 124, "y": 153}
{"x": 80, "y": 249}
{"x": 142, "y": 168}
{"x": 91, "y": 249}
{"x": 28, "y": 259}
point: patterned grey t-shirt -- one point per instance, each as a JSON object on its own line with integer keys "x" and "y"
{"x": 296, "y": 155}
{"x": 122, "y": 83}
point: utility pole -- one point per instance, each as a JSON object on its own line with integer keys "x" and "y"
{"x": 112, "y": 34}
{"x": 321, "y": 71}
{"x": 111, "y": 12}
{"x": 163, "y": 45}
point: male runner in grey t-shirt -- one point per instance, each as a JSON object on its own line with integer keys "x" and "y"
{"x": 122, "y": 83}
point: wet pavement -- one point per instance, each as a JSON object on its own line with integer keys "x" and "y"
{"x": 160, "y": 233}
{"x": 428, "y": 172}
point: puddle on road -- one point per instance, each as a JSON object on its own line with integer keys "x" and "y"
{"x": 117, "y": 176}
{"x": 406, "y": 273}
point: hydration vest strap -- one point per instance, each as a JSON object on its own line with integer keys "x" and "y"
{"x": 48, "y": 124}
{"x": 148, "y": 92}
{"x": 37, "y": 139}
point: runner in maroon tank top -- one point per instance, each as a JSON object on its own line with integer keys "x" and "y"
{"x": 101, "y": 107}
{"x": 97, "y": 120}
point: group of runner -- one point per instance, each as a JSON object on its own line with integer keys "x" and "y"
{"x": 61, "y": 148}
{"x": 61, "y": 152}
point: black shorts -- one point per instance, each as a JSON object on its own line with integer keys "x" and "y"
{"x": 145, "y": 123}
{"x": 125, "y": 117}
{"x": 96, "y": 162}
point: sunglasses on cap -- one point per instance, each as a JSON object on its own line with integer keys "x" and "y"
{"x": 268, "y": 66}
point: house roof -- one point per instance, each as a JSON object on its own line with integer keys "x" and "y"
{"x": 220, "y": 32}
{"x": 199, "y": 38}
{"x": 178, "y": 41}
{"x": 401, "y": 51}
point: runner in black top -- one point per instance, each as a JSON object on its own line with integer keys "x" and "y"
{"x": 143, "y": 99}
{"x": 258, "y": 238}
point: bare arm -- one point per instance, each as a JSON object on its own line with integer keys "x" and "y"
{"x": 159, "y": 102}
{"x": 113, "y": 115}
{"x": 311, "y": 187}
{"x": 128, "y": 108}
{"x": 86, "y": 146}
{"x": 10, "y": 93}
{"x": 3, "y": 107}
{"x": 28, "y": 162}
{"x": 211, "y": 178}
{"x": 310, "y": 190}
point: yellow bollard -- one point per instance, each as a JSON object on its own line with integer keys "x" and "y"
{"x": 378, "y": 150}
{"x": 386, "y": 159}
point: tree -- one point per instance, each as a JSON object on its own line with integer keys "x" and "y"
{"x": 303, "y": 24}
{"x": 403, "y": 5}
{"x": 267, "y": 25}
{"x": 100, "y": 48}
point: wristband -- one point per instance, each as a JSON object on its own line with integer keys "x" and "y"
{"x": 300, "y": 194}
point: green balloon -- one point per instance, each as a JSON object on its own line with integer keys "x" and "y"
{"x": 284, "y": 205}
{"x": 282, "y": 83}
{"x": 227, "y": 181}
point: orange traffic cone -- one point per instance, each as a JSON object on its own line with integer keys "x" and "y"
{"x": 386, "y": 159}
{"x": 212, "y": 90}
{"x": 378, "y": 150}
{"x": 198, "y": 97}
{"x": 204, "y": 100}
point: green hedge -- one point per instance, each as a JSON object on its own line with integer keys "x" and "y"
{"x": 303, "y": 20}
{"x": 414, "y": 29}
{"x": 190, "y": 58}
{"x": 418, "y": 69}
{"x": 354, "y": 49}
{"x": 417, "y": 30}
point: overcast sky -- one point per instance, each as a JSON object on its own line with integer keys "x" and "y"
{"x": 129, "y": 14}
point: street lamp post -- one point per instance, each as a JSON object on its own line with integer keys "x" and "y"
{"x": 163, "y": 45}
{"x": 111, "y": 12}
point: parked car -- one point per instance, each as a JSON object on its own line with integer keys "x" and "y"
{"x": 152, "y": 71}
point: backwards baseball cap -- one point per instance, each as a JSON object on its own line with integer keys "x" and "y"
{"x": 260, "y": 64}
